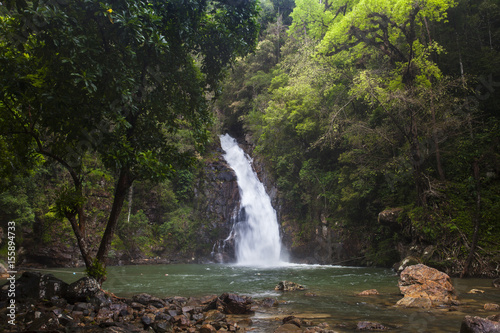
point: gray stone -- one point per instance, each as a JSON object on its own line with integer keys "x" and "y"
{"x": 148, "y": 319}
{"x": 234, "y": 304}
{"x": 475, "y": 324}
{"x": 147, "y": 299}
{"x": 162, "y": 326}
{"x": 82, "y": 290}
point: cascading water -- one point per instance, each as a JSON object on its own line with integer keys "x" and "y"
{"x": 256, "y": 230}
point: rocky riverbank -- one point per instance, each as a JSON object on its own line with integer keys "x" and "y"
{"x": 45, "y": 303}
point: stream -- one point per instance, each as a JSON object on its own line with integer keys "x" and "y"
{"x": 334, "y": 290}
{"x": 331, "y": 291}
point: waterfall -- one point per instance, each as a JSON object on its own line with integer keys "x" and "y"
{"x": 256, "y": 230}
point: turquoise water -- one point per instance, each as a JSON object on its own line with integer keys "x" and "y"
{"x": 334, "y": 288}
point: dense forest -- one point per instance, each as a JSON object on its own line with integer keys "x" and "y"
{"x": 377, "y": 121}
{"x": 363, "y": 107}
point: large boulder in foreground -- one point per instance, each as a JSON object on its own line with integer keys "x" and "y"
{"x": 83, "y": 290}
{"x": 425, "y": 287}
{"x": 34, "y": 285}
{"x": 475, "y": 324}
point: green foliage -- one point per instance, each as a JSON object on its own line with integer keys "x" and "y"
{"x": 363, "y": 111}
{"x": 16, "y": 207}
{"x": 383, "y": 253}
{"x": 184, "y": 185}
{"x": 135, "y": 233}
{"x": 179, "y": 231}
{"x": 113, "y": 88}
{"x": 96, "y": 270}
{"x": 313, "y": 18}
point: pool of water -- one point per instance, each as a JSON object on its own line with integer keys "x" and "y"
{"x": 333, "y": 290}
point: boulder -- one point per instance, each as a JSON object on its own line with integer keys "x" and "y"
{"x": 234, "y": 304}
{"x": 83, "y": 290}
{"x": 473, "y": 324}
{"x": 425, "y": 287}
{"x": 34, "y": 285}
{"x": 288, "y": 286}
{"x": 146, "y": 299}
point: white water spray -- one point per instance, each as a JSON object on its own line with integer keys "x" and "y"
{"x": 256, "y": 230}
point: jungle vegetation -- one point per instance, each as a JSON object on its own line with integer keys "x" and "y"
{"x": 354, "y": 107}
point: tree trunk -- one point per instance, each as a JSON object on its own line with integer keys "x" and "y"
{"x": 122, "y": 187}
{"x": 80, "y": 238}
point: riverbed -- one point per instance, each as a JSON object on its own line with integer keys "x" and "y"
{"x": 330, "y": 295}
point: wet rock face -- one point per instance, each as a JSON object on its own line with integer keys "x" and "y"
{"x": 217, "y": 199}
{"x": 425, "y": 287}
{"x": 58, "y": 255}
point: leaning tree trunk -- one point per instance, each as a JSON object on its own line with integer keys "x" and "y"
{"x": 122, "y": 186}
{"x": 80, "y": 238}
